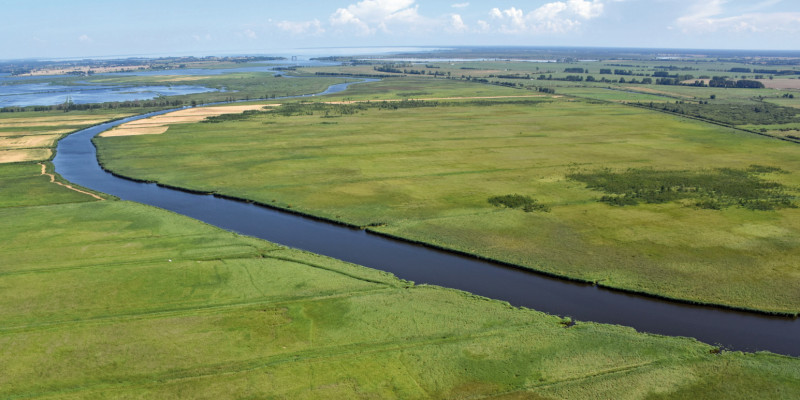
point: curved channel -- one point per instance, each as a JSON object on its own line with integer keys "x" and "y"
{"x": 76, "y": 161}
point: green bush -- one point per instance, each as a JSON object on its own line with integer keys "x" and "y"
{"x": 526, "y": 203}
{"x": 713, "y": 189}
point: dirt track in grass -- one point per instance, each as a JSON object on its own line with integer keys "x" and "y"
{"x": 53, "y": 180}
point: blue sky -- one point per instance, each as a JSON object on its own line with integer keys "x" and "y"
{"x": 84, "y": 28}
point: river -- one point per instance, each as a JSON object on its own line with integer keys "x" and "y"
{"x": 76, "y": 161}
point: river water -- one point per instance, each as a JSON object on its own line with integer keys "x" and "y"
{"x": 76, "y": 161}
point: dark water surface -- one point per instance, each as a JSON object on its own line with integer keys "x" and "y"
{"x": 76, "y": 161}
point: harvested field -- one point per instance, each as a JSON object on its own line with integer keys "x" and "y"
{"x": 34, "y": 133}
{"x": 47, "y": 121}
{"x": 781, "y": 83}
{"x": 12, "y": 156}
{"x": 158, "y": 124}
{"x": 27, "y": 142}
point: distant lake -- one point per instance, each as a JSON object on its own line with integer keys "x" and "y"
{"x": 45, "y": 94}
{"x": 15, "y": 91}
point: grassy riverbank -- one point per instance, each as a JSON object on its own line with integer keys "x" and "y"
{"x": 426, "y": 172}
{"x": 111, "y": 298}
{"x": 115, "y": 299}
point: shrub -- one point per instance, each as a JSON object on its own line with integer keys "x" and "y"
{"x": 712, "y": 189}
{"x": 526, "y": 203}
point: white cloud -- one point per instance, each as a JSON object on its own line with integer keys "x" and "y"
{"x": 85, "y": 39}
{"x": 249, "y": 33}
{"x": 554, "y": 17}
{"x": 712, "y": 16}
{"x": 460, "y": 5}
{"x": 457, "y": 24}
{"x": 298, "y": 28}
{"x": 369, "y": 16}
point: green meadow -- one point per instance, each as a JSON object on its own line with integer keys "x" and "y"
{"x": 426, "y": 172}
{"x": 113, "y": 299}
{"x": 632, "y": 80}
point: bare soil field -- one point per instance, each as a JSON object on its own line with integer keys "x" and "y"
{"x": 159, "y": 124}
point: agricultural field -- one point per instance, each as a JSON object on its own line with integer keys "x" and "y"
{"x": 627, "y": 80}
{"x": 31, "y": 136}
{"x": 426, "y": 171}
{"x": 106, "y": 298}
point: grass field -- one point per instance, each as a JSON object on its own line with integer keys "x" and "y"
{"x": 635, "y": 80}
{"x": 113, "y": 299}
{"x": 109, "y": 298}
{"x": 427, "y": 174}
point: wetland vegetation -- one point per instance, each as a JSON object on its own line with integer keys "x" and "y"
{"x": 189, "y": 310}
{"x": 425, "y": 173}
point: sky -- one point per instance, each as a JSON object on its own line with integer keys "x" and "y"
{"x": 108, "y": 28}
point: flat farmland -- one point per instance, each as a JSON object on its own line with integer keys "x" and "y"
{"x": 426, "y": 172}
{"x": 113, "y": 299}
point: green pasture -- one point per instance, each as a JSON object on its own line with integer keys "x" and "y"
{"x": 427, "y": 173}
{"x": 112, "y": 299}
{"x": 421, "y": 88}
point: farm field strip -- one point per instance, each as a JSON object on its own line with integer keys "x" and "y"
{"x": 31, "y": 138}
{"x": 159, "y": 124}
